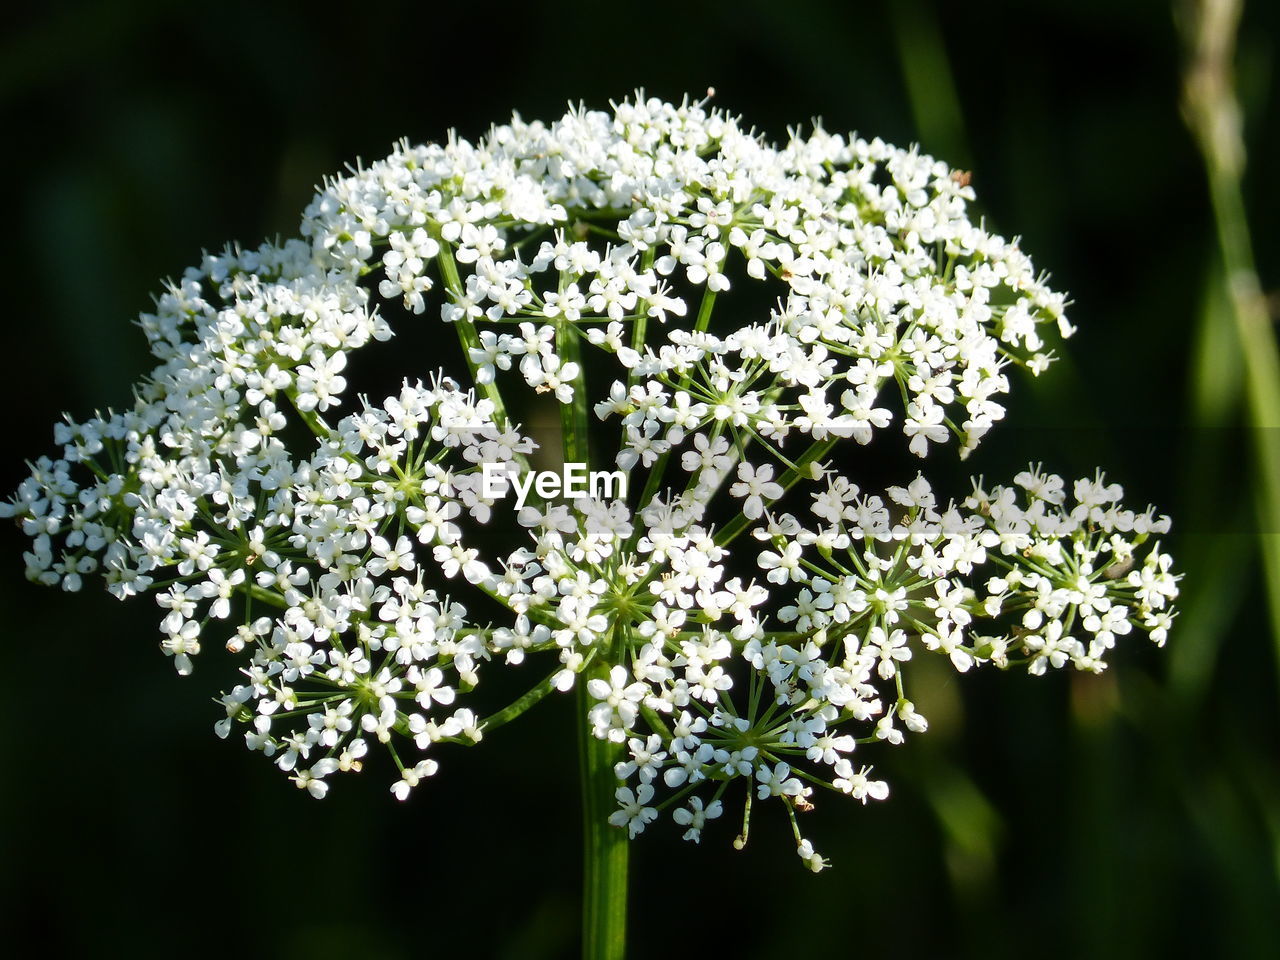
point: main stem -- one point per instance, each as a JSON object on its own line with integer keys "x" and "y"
{"x": 604, "y": 846}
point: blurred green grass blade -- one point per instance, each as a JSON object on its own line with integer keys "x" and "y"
{"x": 1227, "y": 795}
{"x": 1213, "y": 113}
{"x": 969, "y": 822}
{"x": 1217, "y": 368}
{"x": 1218, "y": 566}
{"x": 931, "y": 91}
{"x": 1218, "y": 574}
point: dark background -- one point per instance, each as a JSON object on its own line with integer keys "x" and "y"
{"x": 1133, "y": 814}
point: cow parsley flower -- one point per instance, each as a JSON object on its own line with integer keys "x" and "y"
{"x": 346, "y": 572}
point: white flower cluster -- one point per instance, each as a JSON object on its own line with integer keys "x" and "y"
{"x": 324, "y": 563}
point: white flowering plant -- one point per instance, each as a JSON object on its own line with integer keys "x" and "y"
{"x": 718, "y": 320}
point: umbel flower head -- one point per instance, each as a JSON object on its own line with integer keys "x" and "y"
{"x": 745, "y": 617}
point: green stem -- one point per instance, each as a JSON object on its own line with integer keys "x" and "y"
{"x": 513, "y": 710}
{"x": 604, "y": 846}
{"x": 574, "y": 418}
{"x": 467, "y": 333}
{"x": 605, "y": 850}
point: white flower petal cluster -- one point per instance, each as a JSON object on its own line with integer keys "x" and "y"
{"x": 749, "y": 315}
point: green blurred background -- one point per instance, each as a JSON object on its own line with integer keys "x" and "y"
{"x": 1132, "y": 814}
